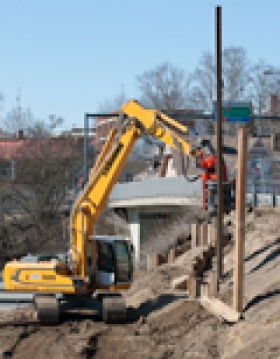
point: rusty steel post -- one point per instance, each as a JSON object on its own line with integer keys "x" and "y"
{"x": 219, "y": 142}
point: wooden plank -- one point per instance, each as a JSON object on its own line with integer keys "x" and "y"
{"x": 194, "y": 234}
{"x": 238, "y": 288}
{"x": 192, "y": 285}
{"x": 213, "y": 290}
{"x": 220, "y": 309}
{"x": 203, "y": 234}
{"x": 212, "y": 234}
{"x": 171, "y": 255}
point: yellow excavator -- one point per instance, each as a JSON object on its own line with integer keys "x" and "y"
{"x": 95, "y": 262}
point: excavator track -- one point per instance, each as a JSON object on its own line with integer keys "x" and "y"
{"x": 47, "y": 309}
{"x": 114, "y": 310}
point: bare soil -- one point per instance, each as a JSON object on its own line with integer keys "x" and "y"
{"x": 163, "y": 323}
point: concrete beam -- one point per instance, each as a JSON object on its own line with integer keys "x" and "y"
{"x": 168, "y": 201}
{"x": 134, "y": 222}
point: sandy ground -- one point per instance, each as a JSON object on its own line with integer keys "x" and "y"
{"x": 166, "y": 324}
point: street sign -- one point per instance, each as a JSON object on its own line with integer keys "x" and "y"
{"x": 233, "y": 111}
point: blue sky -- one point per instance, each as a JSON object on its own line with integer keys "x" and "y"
{"x": 69, "y": 56}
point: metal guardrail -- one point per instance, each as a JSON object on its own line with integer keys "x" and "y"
{"x": 263, "y": 199}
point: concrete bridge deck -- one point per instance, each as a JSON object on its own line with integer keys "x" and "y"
{"x": 170, "y": 191}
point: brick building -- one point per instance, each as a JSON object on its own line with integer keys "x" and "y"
{"x": 9, "y": 146}
{"x": 18, "y": 148}
{"x": 103, "y": 127}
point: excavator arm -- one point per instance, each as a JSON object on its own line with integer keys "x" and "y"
{"x": 135, "y": 121}
{"x": 155, "y": 123}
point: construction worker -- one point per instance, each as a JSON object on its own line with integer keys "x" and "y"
{"x": 208, "y": 164}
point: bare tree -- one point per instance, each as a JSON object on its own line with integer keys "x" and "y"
{"x": 236, "y": 73}
{"x": 203, "y": 83}
{"x": 235, "y": 78}
{"x": 111, "y": 105}
{"x": 18, "y": 119}
{"x": 40, "y": 129}
{"x": 260, "y": 86}
{"x": 23, "y": 119}
{"x": 31, "y": 205}
{"x": 273, "y": 77}
{"x": 164, "y": 87}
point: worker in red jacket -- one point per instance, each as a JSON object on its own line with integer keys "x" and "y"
{"x": 209, "y": 166}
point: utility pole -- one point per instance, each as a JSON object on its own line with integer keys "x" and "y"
{"x": 219, "y": 171}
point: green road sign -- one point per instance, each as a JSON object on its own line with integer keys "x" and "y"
{"x": 233, "y": 111}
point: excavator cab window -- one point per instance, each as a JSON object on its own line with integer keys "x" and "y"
{"x": 115, "y": 257}
{"x": 105, "y": 258}
{"x": 123, "y": 258}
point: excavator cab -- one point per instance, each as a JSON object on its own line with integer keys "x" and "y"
{"x": 110, "y": 270}
{"x": 112, "y": 258}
